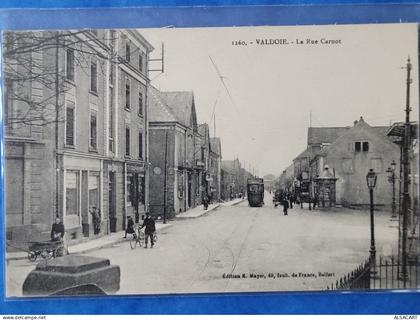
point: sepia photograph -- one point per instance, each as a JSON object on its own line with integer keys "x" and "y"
{"x": 211, "y": 160}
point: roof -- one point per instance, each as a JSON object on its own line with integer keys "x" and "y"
{"x": 182, "y": 106}
{"x": 158, "y": 109}
{"x": 231, "y": 165}
{"x": 304, "y": 154}
{"x": 397, "y": 129}
{"x": 379, "y": 131}
{"x": 216, "y": 146}
{"x": 203, "y": 129}
{"x": 319, "y": 135}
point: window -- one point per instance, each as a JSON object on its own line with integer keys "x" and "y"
{"x": 140, "y": 103}
{"x": 361, "y": 146}
{"x": 376, "y": 165}
{"x": 72, "y": 198}
{"x": 70, "y": 124}
{"x": 347, "y": 165}
{"x": 141, "y": 62}
{"x": 9, "y": 41}
{"x": 127, "y": 51}
{"x": 8, "y": 103}
{"x": 140, "y": 145}
{"x": 111, "y": 119}
{"x": 93, "y": 186}
{"x": 93, "y": 131}
{"x": 141, "y": 195}
{"x": 130, "y": 189}
{"x": 365, "y": 146}
{"x": 127, "y": 141}
{"x": 127, "y": 93}
{"x": 93, "y": 76}
{"x": 70, "y": 64}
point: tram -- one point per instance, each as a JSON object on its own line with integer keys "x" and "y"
{"x": 255, "y": 192}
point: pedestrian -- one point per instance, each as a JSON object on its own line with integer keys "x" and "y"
{"x": 315, "y": 200}
{"x": 57, "y": 230}
{"x": 149, "y": 223}
{"x": 291, "y": 200}
{"x": 205, "y": 201}
{"x": 130, "y": 227}
{"x": 285, "y": 206}
{"x": 96, "y": 219}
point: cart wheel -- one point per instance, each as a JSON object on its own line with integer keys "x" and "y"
{"x": 32, "y": 256}
{"x": 46, "y": 255}
{"x": 133, "y": 242}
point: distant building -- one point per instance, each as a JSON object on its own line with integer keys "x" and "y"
{"x": 215, "y": 168}
{"x": 233, "y": 179}
{"x": 350, "y": 156}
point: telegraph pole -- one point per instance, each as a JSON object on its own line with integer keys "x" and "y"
{"x": 406, "y": 168}
{"x": 165, "y": 174}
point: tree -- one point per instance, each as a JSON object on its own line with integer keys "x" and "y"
{"x": 38, "y": 70}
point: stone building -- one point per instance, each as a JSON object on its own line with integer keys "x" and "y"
{"x": 173, "y": 132}
{"x": 233, "y": 179}
{"x": 350, "y": 157}
{"x": 215, "y": 168}
{"x": 64, "y": 140}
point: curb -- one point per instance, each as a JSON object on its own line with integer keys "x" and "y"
{"x": 200, "y": 215}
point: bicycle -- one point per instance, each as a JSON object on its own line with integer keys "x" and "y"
{"x": 138, "y": 238}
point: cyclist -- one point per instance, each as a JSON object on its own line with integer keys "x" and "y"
{"x": 149, "y": 223}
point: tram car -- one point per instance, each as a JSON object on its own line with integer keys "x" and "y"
{"x": 255, "y": 192}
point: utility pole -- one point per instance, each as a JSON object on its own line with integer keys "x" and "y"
{"x": 406, "y": 168}
{"x": 165, "y": 174}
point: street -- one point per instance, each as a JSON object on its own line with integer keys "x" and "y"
{"x": 243, "y": 249}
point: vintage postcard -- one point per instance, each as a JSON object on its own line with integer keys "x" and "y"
{"x": 211, "y": 160}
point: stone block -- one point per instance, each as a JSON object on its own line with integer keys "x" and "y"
{"x": 61, "y": 274}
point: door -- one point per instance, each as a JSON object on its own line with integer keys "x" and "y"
{"x": 112, "y": 202}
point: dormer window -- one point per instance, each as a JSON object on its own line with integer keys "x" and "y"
{"x": 361, "y": 146}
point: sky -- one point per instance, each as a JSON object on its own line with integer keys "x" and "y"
{"x": 266, "y": 96}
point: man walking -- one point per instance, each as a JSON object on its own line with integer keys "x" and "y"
{"x": 285, "y": 205}
{"x": 149, "y": 223}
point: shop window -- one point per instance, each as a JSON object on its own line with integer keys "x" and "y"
{"x": 72, "y": 196}
{"x": 93, "y": 185}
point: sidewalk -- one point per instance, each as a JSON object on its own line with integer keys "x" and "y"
{"x": 88, "y": 245}
{"x": 199, "y": 210}
{"x": 113, "y": 238}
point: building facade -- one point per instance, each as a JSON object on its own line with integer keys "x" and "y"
{"x": 175, "y": 166}
{"x": 75, "y": 166}
{"x": 350, "y": 157}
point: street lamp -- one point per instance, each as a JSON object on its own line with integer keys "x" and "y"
{"x": 392, "y": 179}
{"x": 371, "y": 183}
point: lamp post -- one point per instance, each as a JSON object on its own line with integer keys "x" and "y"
{"x": 371, "y": 183}
{"x": 392, "y": 179}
